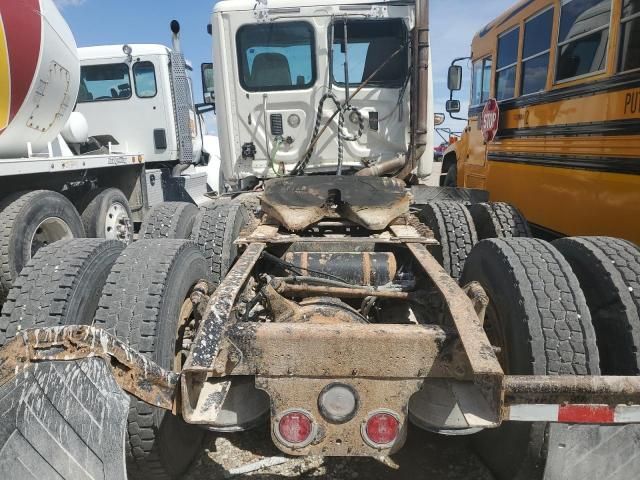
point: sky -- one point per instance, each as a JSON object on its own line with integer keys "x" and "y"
{"x": 96, "y": 22}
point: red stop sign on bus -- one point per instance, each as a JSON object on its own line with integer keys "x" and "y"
{"x": 489, "y": 120}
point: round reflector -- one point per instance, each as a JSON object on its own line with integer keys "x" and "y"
{"x": 338, "y": 402}
{"x": 295, "y": 428}
{"x": 381, "y": 429}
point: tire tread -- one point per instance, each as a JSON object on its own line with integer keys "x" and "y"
{"x": 41, "y": 293}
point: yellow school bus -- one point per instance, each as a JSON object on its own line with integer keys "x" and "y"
{"x": 566, "y": 77}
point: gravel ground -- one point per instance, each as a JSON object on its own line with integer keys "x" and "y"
{"x": 424, "y": 456}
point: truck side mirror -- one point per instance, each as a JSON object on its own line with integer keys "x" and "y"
{"x": 454, "y": 78}
{"x": 208, "y": 88}
{"x": 452, "y": 106}
{"x": 438, "y": 119}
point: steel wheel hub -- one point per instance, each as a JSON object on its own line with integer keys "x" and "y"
{"x": 117, "y": 225}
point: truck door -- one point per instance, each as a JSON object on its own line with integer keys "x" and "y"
{"x": 271, "y": 77}
{"x": 130, "y": 103}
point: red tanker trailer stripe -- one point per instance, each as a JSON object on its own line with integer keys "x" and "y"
{"x": 5, "y": 81}
{"x": 22, "y": 23}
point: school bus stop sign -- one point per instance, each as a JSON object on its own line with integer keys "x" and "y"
{"x": 489, "y": 120}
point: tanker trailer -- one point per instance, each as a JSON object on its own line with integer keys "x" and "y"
{"x": 39, "y": 75}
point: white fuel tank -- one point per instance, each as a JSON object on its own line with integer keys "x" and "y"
{"x": 39, "y": 75}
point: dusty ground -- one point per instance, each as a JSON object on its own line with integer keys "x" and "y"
{"x": 424, "y": 456}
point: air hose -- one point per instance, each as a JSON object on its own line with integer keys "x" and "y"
{"x": 340, "y": 109}
{"x": 343, "y": 135}
{"x": 274, "y": 152}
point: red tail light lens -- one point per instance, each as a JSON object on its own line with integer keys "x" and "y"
{"x": 381, "y": 429}
{"x": 295, "y": 428}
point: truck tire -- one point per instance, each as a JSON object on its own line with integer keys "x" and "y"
{"x": 608, "y": 270}
{"x": 61, "y": 285}
{"x": 169, "y": 220}
{"x": 106, "y": 214}
{"x": 141, "y": 305}
{"x": 29, "y": 221}
{"x": 215, "y": 231}
{"x": 539, "y": 318}
{"x": 63, "y": 420}
{"x": 453, "y": 227}
{"x": 498, "y": 220}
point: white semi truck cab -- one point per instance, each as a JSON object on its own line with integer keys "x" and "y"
{"x": 127, "y": 94}
{"x": 283, "y": 71}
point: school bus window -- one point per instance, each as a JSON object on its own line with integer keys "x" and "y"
{"x": 582, "y": 38}
{"x": 630, "y": 36}
{"x": 481, "y": 85}
{"x": 535, "y": 52}
{"x": 506, "y": 66}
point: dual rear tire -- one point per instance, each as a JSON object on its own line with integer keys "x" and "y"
{"x": 567, "y": 308}
{"x": 135, "y": 293}
{"x": 571, "y": 307}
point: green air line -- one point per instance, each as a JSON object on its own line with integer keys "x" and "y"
{"x": 274, "y": 152}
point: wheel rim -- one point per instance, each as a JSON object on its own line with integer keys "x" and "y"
{"x": 50, "y": 230}
{"x": 117, "y": 224}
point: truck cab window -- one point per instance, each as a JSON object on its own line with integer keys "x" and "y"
{"x": 583, "y": 38}
{"x": 507, "y": 63}
{"x": 276, "y": 56}
{"x": 630, "y": 36}
{"x": 104, "y": 82}
{"x": 370, "y": 43}
{"x": 481, "y": 86}
{"x": 144, "y": 75}
{"x": 535, "y": 53}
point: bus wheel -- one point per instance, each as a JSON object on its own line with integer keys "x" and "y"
{"x": 498, "y": 220}
{"x": 29, "y": 221}
{"x": 451, "y": 178}
{"x": 169, "y": 220}
{"x": 539, "y": 319}
{"x": 106, "y": 214}
{"x": 452, "y": 226}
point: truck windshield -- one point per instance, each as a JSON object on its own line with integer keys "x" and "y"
{"x": 277, "y": 56}
{"x": 104, "y": 82}
{"x": 370, "y": 43}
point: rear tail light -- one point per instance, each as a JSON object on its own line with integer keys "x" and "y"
{"x": 381, "y": 429}
{"x": 295, "y": 428}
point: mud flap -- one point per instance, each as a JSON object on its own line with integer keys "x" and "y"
{"x": 592, "y": 452}
{"x": 63, "y": 420}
